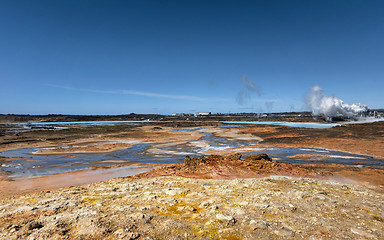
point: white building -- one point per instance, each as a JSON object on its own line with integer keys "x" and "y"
{"x": 202, "y": 114}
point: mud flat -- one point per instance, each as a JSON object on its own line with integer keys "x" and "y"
{"x": 89, "y": 148}
{"x": 80, "y": 148}
{"x": 364, "y": 138}
{"x": 75, "y": 178}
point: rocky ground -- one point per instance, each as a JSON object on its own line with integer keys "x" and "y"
{"x": 174, "y": 207}
{"x": 184, "y": 208}
{"x": 216, "y": 197}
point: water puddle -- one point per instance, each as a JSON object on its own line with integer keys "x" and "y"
{"x": 23, "y": 164}
{"x": 59, "y": 125}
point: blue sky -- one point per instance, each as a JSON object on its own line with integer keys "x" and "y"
{"x": 117, "y": 57}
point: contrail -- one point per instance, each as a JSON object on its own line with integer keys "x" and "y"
{"x": 139, "y": 93}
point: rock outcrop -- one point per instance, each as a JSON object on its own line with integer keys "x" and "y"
{"x": 229, "y": 167}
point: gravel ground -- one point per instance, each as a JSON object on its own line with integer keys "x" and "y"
{"x": 184, "y": 208}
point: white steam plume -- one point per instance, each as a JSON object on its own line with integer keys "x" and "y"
{"x": 245, "y": 95}
{"x": 332, "y": 106}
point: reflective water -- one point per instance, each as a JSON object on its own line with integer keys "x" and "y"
{"x": 29, "y": 165}
{"x": 291, "y": 124}
{"x": 288, "y": 124}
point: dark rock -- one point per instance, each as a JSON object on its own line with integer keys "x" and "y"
{"x": 35, "y": 225}
{"x": 261, "y": 156}
{"x": 236, "y": 156}
{"x": 187, "y": 160}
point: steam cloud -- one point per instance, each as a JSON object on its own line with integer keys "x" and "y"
{"x": 245, "y": 95}
{"x": 332, "y": 106}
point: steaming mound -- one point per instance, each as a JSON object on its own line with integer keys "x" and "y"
{"x": 229, "y": 167}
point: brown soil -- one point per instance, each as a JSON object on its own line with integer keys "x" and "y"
{"x": 228, "y": 167}
{"x": 357, "y": 138}
{"x": 309, "y": 156}
{"x": 255, "y": 166}
{"x": 232, "y": 133}
{"x": 346, "y": 203}
{"x": 366, "y": 138}
{"x": 93, "y": 148}
{"x": 51, "y": 182}
{"x": 93, "y": 135}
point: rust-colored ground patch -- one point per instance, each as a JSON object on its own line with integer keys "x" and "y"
{"x": 93, "y": 148}
{"x": 234, "y": 166}
{"x": 363, "y": 138}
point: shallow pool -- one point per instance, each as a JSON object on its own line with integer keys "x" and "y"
{"x": 26, "y": 164}
{"x": 290, "y": 124}
{"x": 55, "y": 125}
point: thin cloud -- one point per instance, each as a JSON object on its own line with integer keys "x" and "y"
{"x": 139, "y": 93}
{"x": 265, "y": 100}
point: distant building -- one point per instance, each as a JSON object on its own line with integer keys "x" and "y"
{"x": 202, "y": 114}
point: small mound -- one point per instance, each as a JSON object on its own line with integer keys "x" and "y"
{"x": 261, "y": 165}
{"x": 228, "y": 167}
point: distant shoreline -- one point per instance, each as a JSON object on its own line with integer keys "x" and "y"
{"x": 291, "y": 117}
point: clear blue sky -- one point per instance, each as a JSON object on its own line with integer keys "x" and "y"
{"x": 117, "y": 57}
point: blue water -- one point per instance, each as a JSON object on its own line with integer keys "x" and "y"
{"x": 30, "y": 165}
{"x": 37, "y": 165}
{"x": 289, "y": 124}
